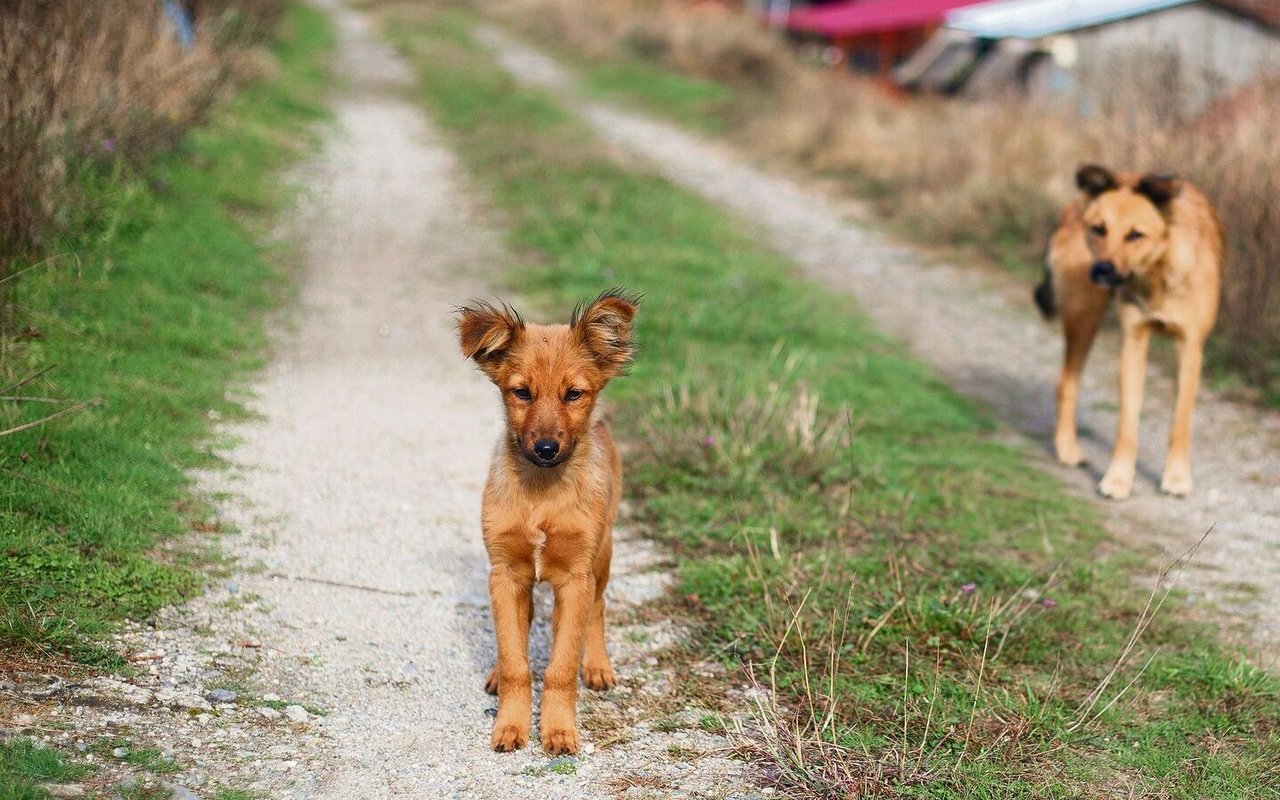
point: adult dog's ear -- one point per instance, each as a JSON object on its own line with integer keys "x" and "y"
{"x": 1159, "y": 189}
{"x": 1093, "y": 180}
{"x": 486, "y": 332}
{"x": 604, "y": 328}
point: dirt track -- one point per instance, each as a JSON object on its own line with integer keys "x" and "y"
{"x": 982, "y": 334}
{"x": 347, "y": 660}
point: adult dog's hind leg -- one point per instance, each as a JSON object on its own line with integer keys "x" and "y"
{"x": 1082, "y": 312}
{"x": 1177, "y": 464}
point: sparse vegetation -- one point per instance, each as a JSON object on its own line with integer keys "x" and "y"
{"x": 934, "y": 618}
{"x": 24, "y": 765}
{"x": 990, "y": 177}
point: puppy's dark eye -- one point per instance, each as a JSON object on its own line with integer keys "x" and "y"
{"x": 1133, "y": 235}
{"x": 1098, "y": 230}
{"x": 572, "y": 394}
{"x": 522, "y": 393}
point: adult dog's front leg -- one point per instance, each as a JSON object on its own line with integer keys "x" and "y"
{"x": 575, "y": 596}
{"x": 1177, "y": 464}
{"x": 511, "y": 598}
{"x": 1118, "y": 481}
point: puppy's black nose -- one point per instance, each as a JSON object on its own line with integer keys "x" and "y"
{"x": 546, "y": 449}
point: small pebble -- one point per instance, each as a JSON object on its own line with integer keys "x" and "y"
{"x": 268, "y": 712}
{"x": 220, "y": 696}
{"x": 296, "y": 713}
{"x": 120, "y": 752}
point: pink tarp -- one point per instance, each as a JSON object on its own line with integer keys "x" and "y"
{"x": 872, "y": 16}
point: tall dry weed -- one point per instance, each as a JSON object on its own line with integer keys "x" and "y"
{"x": 103, "y": 79}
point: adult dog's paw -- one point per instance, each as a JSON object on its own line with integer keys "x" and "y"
{"x": 1115, "y": 487}
{"x": 1176, "y": 483}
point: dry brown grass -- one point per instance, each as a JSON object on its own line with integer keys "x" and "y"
{"x": 107, "y": 79}
{"x": 991, "y": 175}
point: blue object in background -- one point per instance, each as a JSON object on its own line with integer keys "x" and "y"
{"x": 181, "y": 19}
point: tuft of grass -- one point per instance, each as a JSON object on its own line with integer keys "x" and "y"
{"x": 934, "y": 615}
{"x": 153, "y": 309}
{"x": 24, "y": 765}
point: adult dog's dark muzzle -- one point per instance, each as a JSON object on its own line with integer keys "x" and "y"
{"x": 1104, "y": 273}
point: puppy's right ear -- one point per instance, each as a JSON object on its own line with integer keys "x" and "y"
{"x": 1093, "y": 180}
{"x": 486, "y": 332}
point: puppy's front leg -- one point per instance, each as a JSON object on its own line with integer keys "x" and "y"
{"x": 575, "y": 595}
{"x": 511, "y": 598}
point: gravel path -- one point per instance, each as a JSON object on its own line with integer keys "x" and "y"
{"x": 348, "y": 659}
{"x": 368, "y": 469}
{"x": 981, "y": 333}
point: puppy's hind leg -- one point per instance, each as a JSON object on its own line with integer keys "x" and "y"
{"x": 597, "y": 673}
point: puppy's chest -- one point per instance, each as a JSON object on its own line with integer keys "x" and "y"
{"x": 538, "y": 546}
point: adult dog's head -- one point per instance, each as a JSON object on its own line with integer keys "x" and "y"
{"x": 550, "y": 375}
{"x": 1126, "y": 219}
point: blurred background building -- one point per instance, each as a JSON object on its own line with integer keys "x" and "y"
{"x": 1095, "y": 55}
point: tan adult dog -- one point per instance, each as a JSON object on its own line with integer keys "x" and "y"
{"x": 1155, "y": 242}
{"x": 550, "y": 502}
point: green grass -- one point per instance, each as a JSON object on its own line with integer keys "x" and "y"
{"x": 696, "y": 102}
{"x": 23, "y": 766}
{"x": 154, "y": 309}
{"x": 940, "y": 608}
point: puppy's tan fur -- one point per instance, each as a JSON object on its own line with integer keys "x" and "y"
{"x": 550, "y": 519}
{"x": 1166, "y": 243}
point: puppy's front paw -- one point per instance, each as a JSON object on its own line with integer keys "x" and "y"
{"x": 491, "y": 682}
{"x": 1115, "y": 486}
{"x": 598, "y": 678}
{"x": 560, "y": 741}
{"x": 509, "y": 736}
{"x": 1176, "y": 483}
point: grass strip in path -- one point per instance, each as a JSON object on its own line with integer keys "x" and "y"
{"x": 155, "y": 309}
{"x": 938, "y": 617}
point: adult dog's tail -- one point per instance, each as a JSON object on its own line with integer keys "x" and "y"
{"x": 1045, "y": 300}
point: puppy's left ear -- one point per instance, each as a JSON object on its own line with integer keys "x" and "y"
{"x": 1159, "y": 189}
{"x": 487, "y": 332}
{"x": 605, "y": 328}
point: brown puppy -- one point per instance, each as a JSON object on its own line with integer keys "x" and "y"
{"x": 550, "y": 502}
{"x": 1155, "y": 242}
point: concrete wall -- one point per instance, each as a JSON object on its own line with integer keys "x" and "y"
{"x": 1195, "y": 51}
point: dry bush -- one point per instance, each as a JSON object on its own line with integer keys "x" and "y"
{"x": 103, "y": 79}
{"x": 703, "y": 39}
{"x": 992, "y": 174}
